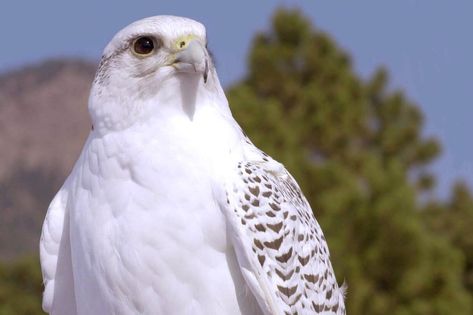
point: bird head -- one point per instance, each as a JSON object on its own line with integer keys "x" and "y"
{"x": 160, "y": 60}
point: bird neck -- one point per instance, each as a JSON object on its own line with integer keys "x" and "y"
{"x": 180, "y": 94}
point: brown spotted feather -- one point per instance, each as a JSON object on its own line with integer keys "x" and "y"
{"x": 284, "y": 241}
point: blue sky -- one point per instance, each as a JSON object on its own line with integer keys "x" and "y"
{"x": 427, "y": 47}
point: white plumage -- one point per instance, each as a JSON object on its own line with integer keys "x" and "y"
{"x": 170, "y": 209}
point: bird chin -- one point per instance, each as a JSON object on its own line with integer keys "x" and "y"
{"x": 169, "y": 72}
{"x": 192, "y": 68}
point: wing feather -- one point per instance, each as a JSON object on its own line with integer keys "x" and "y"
{"x": 280, "y": 246}
{"x": 55, "y": 256}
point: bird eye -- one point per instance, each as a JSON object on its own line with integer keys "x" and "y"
{"x": 143, "y": 46}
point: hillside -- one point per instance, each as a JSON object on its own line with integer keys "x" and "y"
{"x": 43, "y": 123}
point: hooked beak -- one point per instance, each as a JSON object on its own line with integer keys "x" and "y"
{"x": 193, "y": 59}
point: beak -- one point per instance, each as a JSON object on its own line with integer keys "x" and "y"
{"x": 193, "y": 59}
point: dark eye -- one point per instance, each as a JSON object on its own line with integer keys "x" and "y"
{"x": 143, "y": 46}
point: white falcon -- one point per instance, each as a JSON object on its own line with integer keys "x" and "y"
{"x": 170, "y": 209}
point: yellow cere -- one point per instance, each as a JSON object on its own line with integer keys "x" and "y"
{"x": 183, "y": 41}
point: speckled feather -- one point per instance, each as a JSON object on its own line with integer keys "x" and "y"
{"x": 282, "y": 241}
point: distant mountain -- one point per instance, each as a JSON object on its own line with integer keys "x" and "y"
{"x": 43, "y": 124}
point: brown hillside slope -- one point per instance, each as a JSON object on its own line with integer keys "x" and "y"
{"x": 43, "y": 124}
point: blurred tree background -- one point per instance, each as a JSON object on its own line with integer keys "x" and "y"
{"x": 358, "y": 152}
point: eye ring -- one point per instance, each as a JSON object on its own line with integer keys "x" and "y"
{"x": 143, "y": 46}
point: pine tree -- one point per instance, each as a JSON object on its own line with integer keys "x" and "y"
{"x": 358, "y": 153}
{"x": 454, "y": 221}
